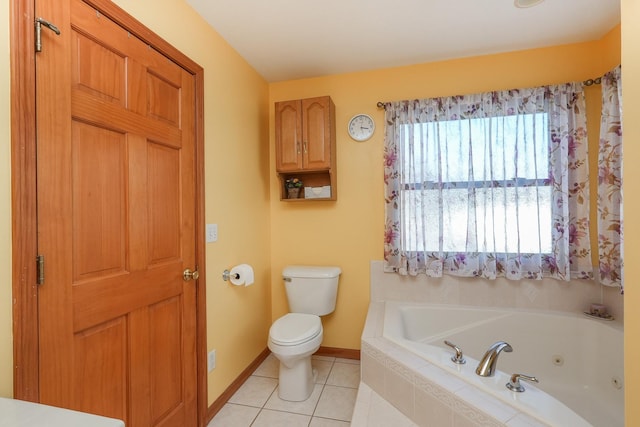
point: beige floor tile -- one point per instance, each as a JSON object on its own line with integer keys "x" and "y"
{"x": 305, "y": 407}
{"x": 325, "y": 422}
{"x": 256, "y": 403}
{"x": 268, "y": 368}
{"x": 269, "y": 418}
{"x": 255, "y": 391}
{"x": 344, "y": 375}
{"x": 350, "y": 361}
{"x": 323, "y": 368}
{"x": 234, "y": 415}
{"x": 336, "y": 403}
{"x": 325, "y": 358}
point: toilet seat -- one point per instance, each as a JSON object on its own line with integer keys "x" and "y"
{"x": 295, "y": 328}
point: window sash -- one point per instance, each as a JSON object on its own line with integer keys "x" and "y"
{"x": 491, "y": 220}
{"x": 478, "y": 215}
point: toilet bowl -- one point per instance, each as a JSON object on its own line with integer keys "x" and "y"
{"x": 294, "y": 337}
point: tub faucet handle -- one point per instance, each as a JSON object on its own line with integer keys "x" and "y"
{"x": 458, "y": 358}
{"x": 514, "y": 384}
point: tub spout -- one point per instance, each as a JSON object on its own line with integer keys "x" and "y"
{"x": 487, "y": 366}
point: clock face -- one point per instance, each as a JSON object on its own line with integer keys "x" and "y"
{"x": 361, "y": 127}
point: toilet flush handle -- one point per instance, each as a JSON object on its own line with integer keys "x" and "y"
{"x": 286, "y": 279}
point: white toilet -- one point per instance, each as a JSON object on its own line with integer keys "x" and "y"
{"x": 293, "y": 338}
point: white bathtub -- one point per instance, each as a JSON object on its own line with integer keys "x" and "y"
{"x": 578, "y": 361}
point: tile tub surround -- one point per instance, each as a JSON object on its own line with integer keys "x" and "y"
{"x": 423, "y": 392}
{"x": 373, "y": 411}
{"x": 574, "y": 296}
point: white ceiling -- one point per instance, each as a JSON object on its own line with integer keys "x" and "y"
{"x": 292, "y": 39}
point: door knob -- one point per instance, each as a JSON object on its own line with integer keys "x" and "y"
{"x": 190, "y": 275}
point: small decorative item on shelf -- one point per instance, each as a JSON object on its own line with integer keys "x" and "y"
{"x": 293, "y": 186}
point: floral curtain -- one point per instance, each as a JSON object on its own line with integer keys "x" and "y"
{"x": 610, "y": 248}
{"x": 528, "y": 175}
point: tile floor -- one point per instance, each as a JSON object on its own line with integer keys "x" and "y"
{"x": 256, "y": 403}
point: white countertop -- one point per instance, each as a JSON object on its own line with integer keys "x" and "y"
{"x": 18, "y": 413}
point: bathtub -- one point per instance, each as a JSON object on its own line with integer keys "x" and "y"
{"x": 578, "y": 361}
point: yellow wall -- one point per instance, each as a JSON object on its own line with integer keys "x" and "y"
{"x": 631, "y": 178}
{"x": 348, "y": 233}
{"x": 6, "y": 343}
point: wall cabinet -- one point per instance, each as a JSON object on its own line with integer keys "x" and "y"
{"x": 306, "y": 145}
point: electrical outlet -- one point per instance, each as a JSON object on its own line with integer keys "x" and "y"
{"x": 212, "y": 233}
{"x": 211, "y": 360}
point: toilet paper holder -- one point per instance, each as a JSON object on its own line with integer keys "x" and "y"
{"x": 226, "y": 275}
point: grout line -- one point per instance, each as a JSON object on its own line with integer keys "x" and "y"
{"x": 255, "y": 418}
{"x": 342, "y": 386}
{"x": 315, "y": 407}
{"x": 265, "y": 402}
{"x": 324, "y": 384}
{"x": 331, "y": 360}
{"x": 326, "y": 380}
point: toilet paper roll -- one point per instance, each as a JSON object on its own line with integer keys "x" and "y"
{"x": 241, "y": 275}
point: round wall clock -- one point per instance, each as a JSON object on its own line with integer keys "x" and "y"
{"x": 361, "y": 127}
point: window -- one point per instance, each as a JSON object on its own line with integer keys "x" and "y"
{"x": 488, "y": 185}
{"x": 494, "y": 175}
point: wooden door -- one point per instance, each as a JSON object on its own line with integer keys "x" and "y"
{"x": 316, "y": 133}
{"x": 116, "y": 222}
{"x": 288, "y": 122}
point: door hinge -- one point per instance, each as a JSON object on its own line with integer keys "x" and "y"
{"x": 40, "y": 269}
{"x": 39, "y": 22}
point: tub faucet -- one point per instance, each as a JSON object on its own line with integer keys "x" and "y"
{"x": 487, "y": 366}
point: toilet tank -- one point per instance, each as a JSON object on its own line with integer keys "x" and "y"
{"x": 311, "y": 289}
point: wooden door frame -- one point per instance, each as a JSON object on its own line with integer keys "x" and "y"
{"x": 23, "y": 193}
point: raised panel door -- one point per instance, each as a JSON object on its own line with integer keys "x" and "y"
{"x": 116, "y": 223}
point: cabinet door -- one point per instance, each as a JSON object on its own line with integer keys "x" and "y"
{"x": 316, "y": 133}
{"x": 288, "y": 136}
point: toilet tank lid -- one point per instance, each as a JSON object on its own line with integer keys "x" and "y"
{"x": 309, "y": 271}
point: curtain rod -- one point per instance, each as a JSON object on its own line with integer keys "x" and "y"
{"x": 588, "y": 82}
